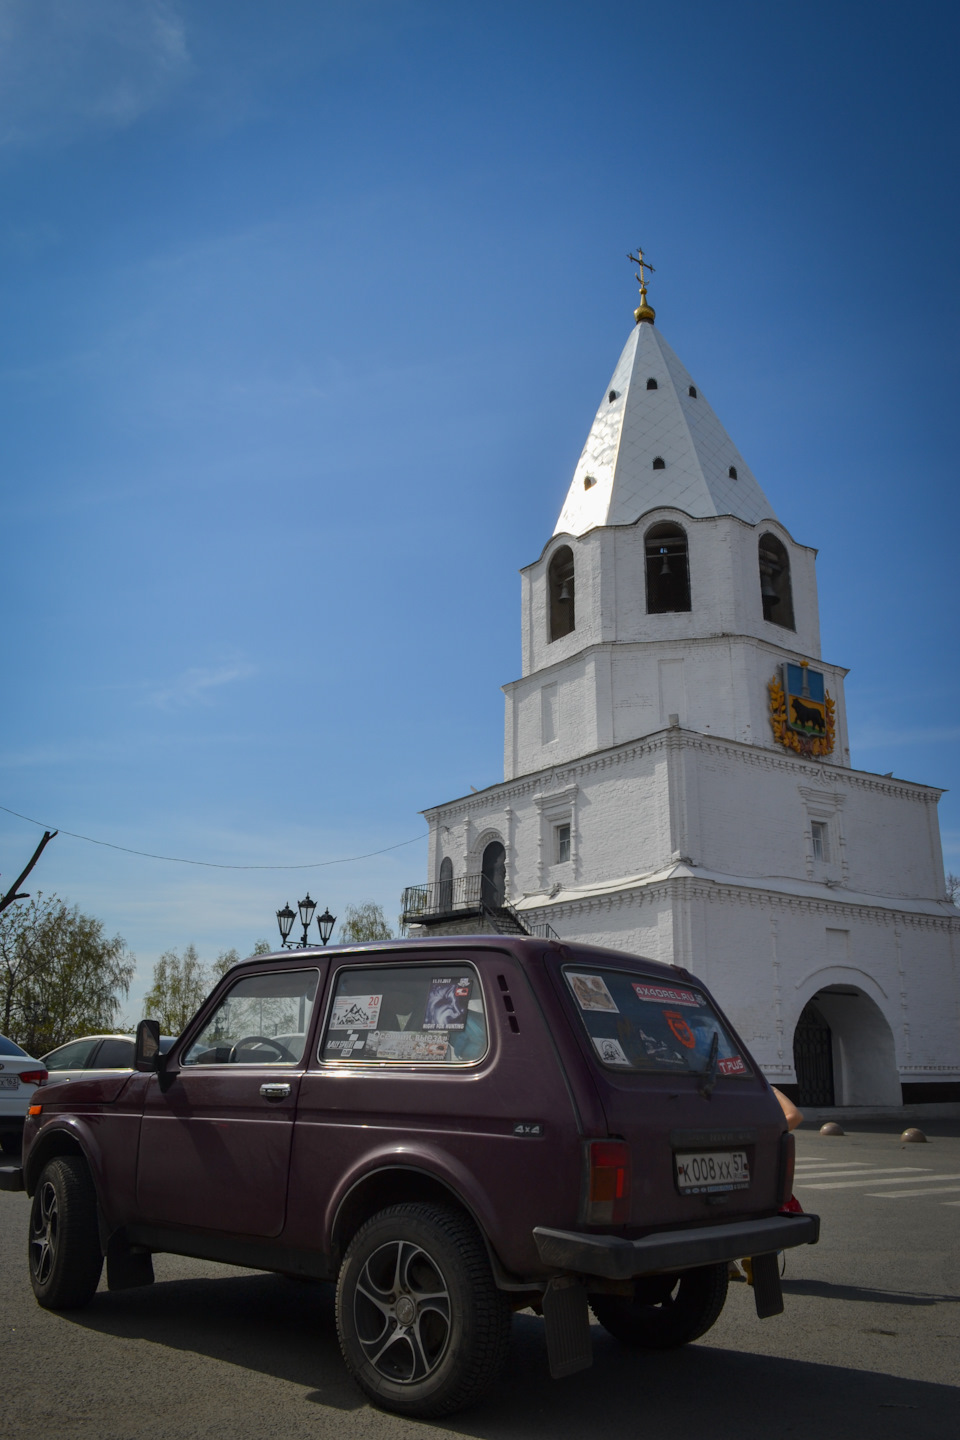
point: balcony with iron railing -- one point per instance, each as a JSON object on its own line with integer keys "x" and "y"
{"x": 461, "y": 896}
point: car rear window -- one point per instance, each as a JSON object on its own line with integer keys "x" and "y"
{"x": 410, "y": 1014}
{"x": 636, "y": 1022}
{"x": 7, "y": 1047}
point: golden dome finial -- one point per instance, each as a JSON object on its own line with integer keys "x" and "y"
{"x": 643, "y": 310}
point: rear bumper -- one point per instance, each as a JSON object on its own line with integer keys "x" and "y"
{"x": 615, "y": 1258}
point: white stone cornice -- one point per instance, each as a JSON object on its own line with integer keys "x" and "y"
{"x": 572, "y": 771}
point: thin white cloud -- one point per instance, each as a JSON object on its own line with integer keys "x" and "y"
{"x": 68, "y": 66}
{"x": 197, "y": 686}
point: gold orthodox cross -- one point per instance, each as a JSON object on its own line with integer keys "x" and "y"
{"x": 644, "y": 264}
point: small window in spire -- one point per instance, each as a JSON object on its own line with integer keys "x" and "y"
{"x": 589, "y": 481}
{"x": 692, "y": 392}
{"x": 652, "y": 384}
{"x": 732, "y": 472}
{"x": 614, "y": 395}
{"x": 659, "y": 463}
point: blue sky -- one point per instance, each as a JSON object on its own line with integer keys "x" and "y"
{"x": 305, "y": 311}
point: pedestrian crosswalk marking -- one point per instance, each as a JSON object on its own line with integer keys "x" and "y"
{"x": 826, "y": 1164}
{"x": 906, "y": 1173}
{"x": 809, "y": 1175}
{"x": 905, "y": 1194}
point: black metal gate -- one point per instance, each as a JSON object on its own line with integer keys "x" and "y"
{"x": 813, "y": 1058}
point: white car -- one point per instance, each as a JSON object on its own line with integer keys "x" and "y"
{"x": 20, "y": 1075}
{"x": 94, "y": 1056}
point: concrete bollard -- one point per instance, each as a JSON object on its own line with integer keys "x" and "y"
{"x": 913, "y": 1136}
{"x": 831, "y": 1128}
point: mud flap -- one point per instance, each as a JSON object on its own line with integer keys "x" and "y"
{"x": 127, "y": 1267}
{"x": 567, "y": 1320}
{"x": 767, "y": 1293}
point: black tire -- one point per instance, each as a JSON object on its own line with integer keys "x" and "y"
{"x": 419, "y": 1272}
{"x": 667, "y": 1310}
{"x": 64, "y": 1245}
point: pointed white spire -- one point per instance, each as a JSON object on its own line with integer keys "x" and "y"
{"x": 615, "y": 482}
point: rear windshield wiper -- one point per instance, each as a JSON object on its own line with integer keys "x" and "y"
{"x": 708, "y": 1075}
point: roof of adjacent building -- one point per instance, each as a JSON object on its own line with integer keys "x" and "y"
{"x": 635, "y": 426}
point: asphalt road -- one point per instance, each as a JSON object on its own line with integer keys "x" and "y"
{"x": 867, "y": 1346}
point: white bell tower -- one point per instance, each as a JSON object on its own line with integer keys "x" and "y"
{"x": 677, "y": 775}
{"x": 669, "y": 586}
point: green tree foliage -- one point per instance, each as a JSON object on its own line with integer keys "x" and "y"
{"x": 180, "y": 985}
{"x": 60, "y": 975}
{"x": 363, "y": 922}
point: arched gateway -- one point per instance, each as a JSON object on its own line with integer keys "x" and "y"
{"x": 843, "y": 1051}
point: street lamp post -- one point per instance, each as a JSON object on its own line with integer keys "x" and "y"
{"x": 286, "y": 918}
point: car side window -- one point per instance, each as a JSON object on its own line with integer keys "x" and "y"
{"x": 72, "y": 1056}
{"x": 262, "y": 1020}
{"x": 417, "y": 1014}
{"x": 113, "y": 1055}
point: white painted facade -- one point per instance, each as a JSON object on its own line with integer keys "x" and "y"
{"x": 694, "y": 836}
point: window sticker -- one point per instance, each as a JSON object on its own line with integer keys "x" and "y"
{"x": 681, "y": 1029}
{"x": 446, "y": 1007}
{"x": 610, "y": 1051}
{"x": 660, "y": 1051}
{"x": 668, "y": 994}
{"x": 347, "y": 1046}
{"x": 406, "y": 1045}
{"x": 592, "y": 993}
{"x": 731, "y": 1065}
{"x": 356, "y": 1012}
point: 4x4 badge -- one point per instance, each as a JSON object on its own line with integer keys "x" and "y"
{"x": 528, "y": 1127}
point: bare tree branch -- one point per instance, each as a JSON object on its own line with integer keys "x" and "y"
{"x": 12, "y": 894}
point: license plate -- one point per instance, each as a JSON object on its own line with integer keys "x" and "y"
{"x": 9, "y": 1082}
{"x": 702, "y": 1174}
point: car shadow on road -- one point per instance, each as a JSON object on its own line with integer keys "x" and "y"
{"x": 825, "y": 1290}
{"x": 286, "y": 1331}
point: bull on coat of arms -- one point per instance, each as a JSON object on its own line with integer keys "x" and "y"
{"x": 801, "y": 711}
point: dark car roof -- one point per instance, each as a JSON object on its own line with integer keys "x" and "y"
{"x": 523, "y": 947}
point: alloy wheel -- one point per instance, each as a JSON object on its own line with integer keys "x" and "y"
{"x": 402, "y": 1312}
{"x": 43, "y": 1240}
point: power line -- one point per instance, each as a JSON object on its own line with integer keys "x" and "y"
{"x": 211, "y": 864}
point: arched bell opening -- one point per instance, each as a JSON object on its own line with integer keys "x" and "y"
{"x": 776, "y": 592}
{"x": 844, "y": 1052}
{"x": 560, "y": 586}
{"x": 668, "y": 572}
{"x": 493, "y": 875}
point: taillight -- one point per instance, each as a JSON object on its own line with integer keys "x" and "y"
{"x": 32, "y": 1077}
{"x": 608, "y": 1182}
{"x": 788, "y": 1160}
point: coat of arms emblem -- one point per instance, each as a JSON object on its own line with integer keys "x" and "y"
{"x": 802, "y": 711}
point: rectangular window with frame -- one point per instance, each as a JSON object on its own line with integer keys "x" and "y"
{"x": 561, "y": 836}
{"x": 636, "y": 1022}
{"x": 406, "y": 1014}
{"x": 819, "y": 837}
{"x": 262, "y": 1020}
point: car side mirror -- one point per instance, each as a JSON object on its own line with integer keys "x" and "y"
{"x": 147, "y": 1051}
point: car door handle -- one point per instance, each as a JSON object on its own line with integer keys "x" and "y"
{"x": 275, "y": 1090}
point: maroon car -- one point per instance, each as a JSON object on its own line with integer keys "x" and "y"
{"x": 449, "y": 1129}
